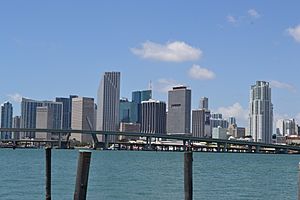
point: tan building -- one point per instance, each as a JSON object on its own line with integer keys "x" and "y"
{"x": 43, "y": 120}
{"x": 83, "y": 118}
{"x": 232, "y": 130}
{"x": 48, "y": 116}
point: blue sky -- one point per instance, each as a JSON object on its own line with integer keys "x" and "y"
{"x": 218, "y": 48}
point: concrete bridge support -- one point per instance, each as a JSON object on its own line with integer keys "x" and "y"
{"x": 249, "y": 149}
{"x": 105, "y": 142}
{"x": 225, "y": 147}
{"x": 257, "y": 149}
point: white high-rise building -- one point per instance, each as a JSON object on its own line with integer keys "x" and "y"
{"x": 109, "y": 103}
{"x": 286, "y": 127}
{"x": 261, "y": 112}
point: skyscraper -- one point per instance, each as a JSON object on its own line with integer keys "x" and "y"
{"x": 138, "y": 97}
{"x": 261, "y": 112}
{"x": 109, "y": 103}
{"x": 286, "y": 127}
{"x": 83, "y": 115}
{"x": 67, "y": 111}
{"x": 49, "y": 116}
{"x": 207, "y": 127}
{"x": 128, "y": 111}
{"x": 153, "y": 117}
{"x": 6, "y": 119}
{"x": 232, "y": 120}
{"x": 28, "y": 116}
{"x": 16, "y": 124}
{"x": 179, "y": 110}
{"x": 198, "y": 123}
{"x": 29, "y": 111}
{"x": 204, "y": 103}
{"x": 217, "y": 120}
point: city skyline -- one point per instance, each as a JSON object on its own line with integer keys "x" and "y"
{"x": 239, "y": 45}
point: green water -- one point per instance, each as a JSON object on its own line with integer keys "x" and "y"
{"x": 150, "y": 175}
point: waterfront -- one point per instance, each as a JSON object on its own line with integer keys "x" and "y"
{"x": 150, "y": 175}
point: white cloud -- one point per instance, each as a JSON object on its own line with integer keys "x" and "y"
{"x": 231, "y": 19}
{"x": 197, "y": 72}
{"x": 177, "y": 51}
{"x": 164, "y": 85}
{"x": 237, "y": 111}
{"x": 253, "y": 13}
{"x": 294, "y": 32}
{"x": 16, "y": 97}
{"x": 281, "y": 85}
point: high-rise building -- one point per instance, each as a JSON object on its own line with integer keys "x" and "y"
{"x": 241, "y": 132}
{"x": 261, "y": 112}
{"x": 204, "y": 103}
{"x": 232, "y": 130}
{"x": 286, "y": 127}
{"x": 138, "y": 97}
{"x": 219, "y": 133}
{"x": 16, "y": 124}
{"x": 109, "y": 103}
{"x": 153, "y": 117}
{"x": 83, "y": 115}
{"x": 207, "y": 125}
{"x": 29, "y": 111}
{"x": 179, "y": 110}
{"x": 198, "y": 123}
{"x": 217, "y": 120}
{"x": 28, "y": 116}
{"x": 6, "y": 119}
{"x": 128, "y": 111}
{"x": 49, "y": 116}
{"x": 67, "y": 110}
{"x": 232, "y": 121}
{"x": 216, "y": 116}
{"x": 56, "y": 109}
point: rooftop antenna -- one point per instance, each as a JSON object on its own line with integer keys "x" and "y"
{"x": 150, "y": 85}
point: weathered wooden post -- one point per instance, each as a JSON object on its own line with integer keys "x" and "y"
{"x": 188, "y": 175}
{"x": 48, "y": 173}
{"x": 83, "y": 168}
{"x": 299, "y": 181}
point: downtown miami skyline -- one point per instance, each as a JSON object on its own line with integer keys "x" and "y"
{"x": 218, "y": 51}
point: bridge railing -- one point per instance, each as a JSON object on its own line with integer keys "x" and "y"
{"x": 181, "y": 137}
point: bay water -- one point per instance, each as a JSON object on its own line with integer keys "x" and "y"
{"x": 135, "y": 175}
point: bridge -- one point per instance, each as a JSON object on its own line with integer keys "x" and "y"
{"x": 197, "y": 144}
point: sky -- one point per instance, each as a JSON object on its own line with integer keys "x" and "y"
{"x": 217, "y": 48}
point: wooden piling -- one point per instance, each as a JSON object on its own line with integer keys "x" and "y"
{"x": 48, "y": 173}
{"x": 188, "y": 175}
{"x": 83, "y": 167}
